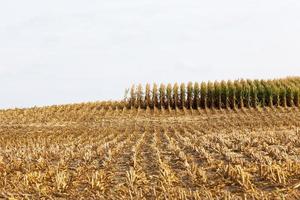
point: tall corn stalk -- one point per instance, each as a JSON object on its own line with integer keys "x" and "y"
{"x": 132, "y": 97}
{"x": 247, "y": 96}
{"x": 162, "y": 96}
{"x": 190, "y": 91}
{"x": 283, "y": 101}
{"x": 176, "y": 96}
{"x": 289, "y": 96}
{"x": 148, "y": 96}
{"x": 210, "y": 95}
{"x": 260, "y": 93}
{"x": 224, "y": 95}
{"x": 253, "y": 94}
{"x": 231, "y": 94}
{"x": 276, "y": 93}
{"x": 268, "y": 93}
{"x": 239, "y": 94}
{"x": 196, "y": 98}
{"x": 169, "y": 97}
{"x": 217, "y": 95}
{"x": 296, "y": 94}
{"x": 182, "y": 95}
{"x": 139, "y": 96}
{"x": 203, "y": 95}
{"x": 295, "y": 90}
{"x": 155, "y": 96}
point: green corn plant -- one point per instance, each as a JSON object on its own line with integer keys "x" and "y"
{"x": 239, "y": 101}
{"x": 169, "y": 96}
{"x": 289, "y": 96}
{"x": 217, "y": 95}
{"x": 253, "y": 94}
{"x": 295, "y": 91}
{"x": 196, "y": 98}
{"x": 296, "y": 94}
{"x": 260, "y": 93}
{"x": 182, "y": 95}
{"x": 247, "y": 96}
{"x": 189, "y": 98}
{"x": 275, "y": 94}
{"x": 224, "y": 95}
{"x": 210, "y": 95}
{"x": 203, "y": 95}
{"x": 268, "y": 92}
{"x": 231, "y": 95}
{"x": 139, "y": 96}
{"x": 162, "y": 96}
{"x": 155, "y": 95}
{"x": 283, "y": 93}
{"x": 176, "y": 96}
{"x": 289, "y": 86}
{"x": 148, "y": 96}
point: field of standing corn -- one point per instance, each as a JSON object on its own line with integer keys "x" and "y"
{"x": 237, "y": 94}
{"x": 168, "y": 142}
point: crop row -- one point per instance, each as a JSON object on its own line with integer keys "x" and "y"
{"x": 223, "y": 94}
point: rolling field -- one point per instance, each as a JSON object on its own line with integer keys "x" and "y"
{"x": 91, "y": 151}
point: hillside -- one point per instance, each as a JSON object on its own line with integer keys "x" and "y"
{"x": 94, "y": 151}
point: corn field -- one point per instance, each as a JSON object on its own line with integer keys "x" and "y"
{"x": 225, "y": 94}
{"x": 158, "y": 147}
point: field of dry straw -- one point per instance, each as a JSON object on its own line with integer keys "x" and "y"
{"x": 128, "y": 150}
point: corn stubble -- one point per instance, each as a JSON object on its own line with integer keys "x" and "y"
{"x": 158, "y": 144}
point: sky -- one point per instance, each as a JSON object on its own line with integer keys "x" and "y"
{"x": 69, "y": 51}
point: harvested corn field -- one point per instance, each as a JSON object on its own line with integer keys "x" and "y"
{"x": 97, "y": 151}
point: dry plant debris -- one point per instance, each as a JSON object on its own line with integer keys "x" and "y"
{"x": 98, "y": 151}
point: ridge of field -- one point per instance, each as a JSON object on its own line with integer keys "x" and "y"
{"x": 91, "y": 151}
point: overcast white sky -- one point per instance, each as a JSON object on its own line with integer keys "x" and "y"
{"x": 67, "y": 51}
